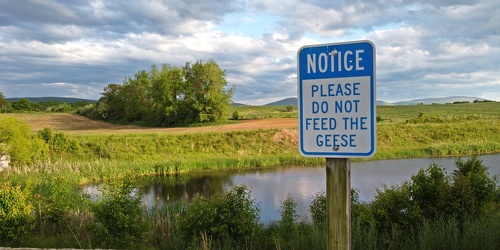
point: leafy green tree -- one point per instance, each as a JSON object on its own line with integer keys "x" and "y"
{"x": 166, "y": 92}
{"x": 393, "y": 209}
{"x": 472, "y": 188}
{"x": 429, "y": 189}
{"x": 134, "y": 93}
{"x": 195, "y": 93}
{"x": 110, "y": 105}
{"x": 206, "y": 96}
{"x": 24, "y": 104}
{"x": 4, "y": 104}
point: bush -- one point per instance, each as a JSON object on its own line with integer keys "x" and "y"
{"x": 472, "y": 188}
{"x": 236, "y": 115}
{"x": 432, "y": 196}
{"x": 118, "y": 217}
{"x": 233, "y": 216}
{"x": 393, "y": 209}
{"x": 429, "y": 189}
{"x": 287, "y": 225}
{"x": 318, "y": 209}
{"x": 17, "y": 141}
{"x": 15, "y": 211}
{"x": 59, "y": 142}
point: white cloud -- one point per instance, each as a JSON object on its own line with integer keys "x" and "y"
{"x": 423, "y": 49}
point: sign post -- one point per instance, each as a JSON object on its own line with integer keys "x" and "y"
{"x": 337, "y": 120}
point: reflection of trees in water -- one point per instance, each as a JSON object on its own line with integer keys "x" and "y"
{"x": 183, "y": 187}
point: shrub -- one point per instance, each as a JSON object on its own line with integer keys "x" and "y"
{"x": 15, "y": 211}
{"x": 318, "y": 209}
{"x": 118, "y": 217}
{"x": 59, "y": 142}
{"x": 231, "y": 216}
{"x": 429, "y": 189}
{"x": 287, "y": 226}
{"x": 472, "y": 188}
{"x": 236, "y": 115}
{"x": 17, "y": 141}
{"x": 393, "y": 209}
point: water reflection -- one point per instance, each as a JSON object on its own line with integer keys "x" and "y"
{"x": 182, "y": 187}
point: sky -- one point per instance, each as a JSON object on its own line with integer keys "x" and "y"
{"x": 73, "y": 48}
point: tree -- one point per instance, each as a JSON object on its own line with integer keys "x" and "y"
{"x": 110, "y": 106}
{"x": 195, "y": 93}
{"x": 4, "y": 104}
{"x": 429, "y": 189}
{"x": 472, "y": 188}
{"x": 135, "y": 98}
{"x": 24, "y": 105}
{"x": 206, "y": 96}
{"x": 165, "y": 92}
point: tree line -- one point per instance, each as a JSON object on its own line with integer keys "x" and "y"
{"x": 25, "y": 105}
{"x": 166, "y": 95}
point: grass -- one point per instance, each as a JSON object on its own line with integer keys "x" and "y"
{"x": 262, "y": 112}
{"x": 404, "y": 132}
{"x": 411, "y": 131}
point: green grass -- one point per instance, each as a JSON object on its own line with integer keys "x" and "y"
{"x": 466, "y": 129}
{"x": 488, "y": 110}
{"x": 261, "y": 112}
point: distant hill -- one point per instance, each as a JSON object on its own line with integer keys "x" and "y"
{"x": 238, "y": 104}
{"x": 440, "y": 100}
{"x": 294, "y": 102}
{"x": 382, "y": 103}
{"x": 51, "y": 99}
{"x": 285, "y": 102}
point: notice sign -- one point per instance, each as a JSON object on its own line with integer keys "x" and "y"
{"x": 336, "y": 93}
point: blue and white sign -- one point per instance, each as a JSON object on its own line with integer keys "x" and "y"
{"x": 336, "y": 93}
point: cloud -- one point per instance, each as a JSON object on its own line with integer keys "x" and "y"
{"x": 424, "y": 49}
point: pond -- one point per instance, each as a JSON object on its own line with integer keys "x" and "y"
{"x": 271, "y": 186}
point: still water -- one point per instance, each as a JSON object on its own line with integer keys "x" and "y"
{"x": 269, "y": 187}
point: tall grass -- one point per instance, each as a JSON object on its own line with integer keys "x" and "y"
{"x": 162, "y": 232}
{"x": 103, "y": 157}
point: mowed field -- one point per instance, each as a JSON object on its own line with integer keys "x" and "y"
{"x": 76, "y": 124}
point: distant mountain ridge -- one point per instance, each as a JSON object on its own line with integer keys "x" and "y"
{"x": 440, "y": 100}
{"x": 435, "y": 100}
{"x": 51, "y": 99}
{"x": 285, "y": 102}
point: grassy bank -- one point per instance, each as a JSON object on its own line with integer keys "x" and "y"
{"x": 403, "y": 132}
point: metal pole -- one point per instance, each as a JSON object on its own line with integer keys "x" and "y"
{"x": 338, "y": 203}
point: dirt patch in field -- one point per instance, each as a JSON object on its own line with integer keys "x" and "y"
{"x": 286, "y": 135}
{"x": 75, "y": 124}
